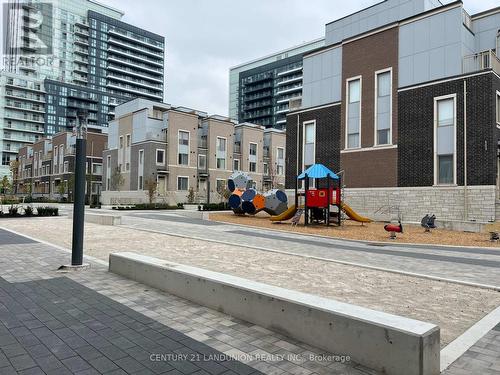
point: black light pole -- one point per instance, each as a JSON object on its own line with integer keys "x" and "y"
{"x": 79, "y": 190}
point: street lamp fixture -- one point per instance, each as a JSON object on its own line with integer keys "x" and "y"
{"x": 80, "y": 131}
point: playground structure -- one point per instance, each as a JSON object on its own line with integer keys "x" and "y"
{"x": 318, "y": 200}
{"x": 247, "y": 200}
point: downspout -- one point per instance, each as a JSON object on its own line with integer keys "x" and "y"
{"x": 297, "y": 169}
{"x": 466, "y": 214}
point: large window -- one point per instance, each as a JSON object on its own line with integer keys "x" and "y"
{"x": 353, "y": 115}
{"x": 280, "y": 161}
{"x": 444, "y": 140}
{"x": 220, "y": 185}
{"x": 383, "y": 110}
{"x": 252, "y": 158}
{"x": 309, "y": 153}
{"x": 498, "y": 108}
{"x": 160, "y": 157}
{"x": 183, "y": 150}
{"x": 182, "y": 183}
{"x": 221, "y": 153}
{"x": 140, "y": 171}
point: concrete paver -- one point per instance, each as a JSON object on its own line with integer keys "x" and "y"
{"x": 96, "y": 322}
{"x": 451, "y": 306}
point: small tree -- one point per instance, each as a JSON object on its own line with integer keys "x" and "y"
{"x": 5, "y": 185}
{"x": 151, "y": 187}
{"x": 223, "y": 192}
{"x": 61, "y": 188}
{"x": 117, "y": 179}
{"x": 14, "y": 169}
{"x": 191, "y": 196}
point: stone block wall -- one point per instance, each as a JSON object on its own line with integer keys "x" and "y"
{"x": 412, "y": 203}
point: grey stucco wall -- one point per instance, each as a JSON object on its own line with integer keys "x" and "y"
{"x": 485, "y": 30}
{"x": 322, "y": 78}
{"x": 373, "y": 17}
{"x": 431, "y": 48}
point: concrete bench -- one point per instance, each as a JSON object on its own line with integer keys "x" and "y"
{"x": 101, "y": 219}
{"x": 381, "y": 341}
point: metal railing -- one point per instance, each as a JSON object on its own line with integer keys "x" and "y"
{"x": 480, "y": 61}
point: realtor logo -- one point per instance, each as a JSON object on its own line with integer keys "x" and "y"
{"x": 27, "y": 29}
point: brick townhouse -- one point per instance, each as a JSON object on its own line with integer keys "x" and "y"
{"x": 46, "y": 168}
{"x": 182, "y": 149}
{"x": 404, "y": 100}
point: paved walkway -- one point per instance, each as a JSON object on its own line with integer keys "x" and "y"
{"x": 93, "y": 322}
{"x": 482, "y": 358}
{"x": 476, "y": 265}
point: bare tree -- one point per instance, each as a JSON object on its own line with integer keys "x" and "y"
{"x": 14, "y": 168}
{"x": 117, "y": 179}
{"x": 151, "y": 187}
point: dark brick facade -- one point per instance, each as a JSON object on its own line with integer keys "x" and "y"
{"x": 413, "y": 159}
{"x": 416, "y": 131}
{"x": 327, "y": 139}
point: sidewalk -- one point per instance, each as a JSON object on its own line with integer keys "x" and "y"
{"x": 95, "y": 322}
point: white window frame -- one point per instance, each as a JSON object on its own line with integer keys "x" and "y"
{"x": 156, "y": 156}
{"x": 277, "y": 157}
{"x": 375, "y": 139}
{"x": 304, "y": 148}
{"x": 93, "y": 168}
{"x": 435, "y": 123}
{"x": 217, "y": 150}
{"x": 202, "y": 156}
{"x": 304, "y": 141}
{"x": 239, "y": 165}
{"x": 346, "y": 138}
{"x": 188, "y": 145}
{"x": 177, "y": 187}
{"x": 108, "y": 172}
{"x": 220, "y": 179}
{"x": 140, "y": 169}
{"x": 497, "y": 108}
{"x": 256, "y": 156}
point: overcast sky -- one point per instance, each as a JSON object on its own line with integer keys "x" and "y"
{"x": 204, "y": 38}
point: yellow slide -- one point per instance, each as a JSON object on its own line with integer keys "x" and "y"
{"x": 353, "y": 215}
{"x": 287, "y": 215}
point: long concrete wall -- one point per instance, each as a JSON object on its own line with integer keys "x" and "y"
{"x": 134, "y": 197}
{"x": 413, "y": 203}
{"x": 384, "y": 342}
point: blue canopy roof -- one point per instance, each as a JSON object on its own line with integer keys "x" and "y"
{"x": 317, "y": 171}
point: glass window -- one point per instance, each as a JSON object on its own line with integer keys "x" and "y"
{"x": 182, "y": 183}
{"x": 445, "y": 142}
{"x": 160, "y": 157}
{"x": 309, "y": 144}
{"x": 498, "y": 107}
{"x": 353, "y": 113}
{"x": 236, "y": 164}
{"x": 202, "y": 162}
{"x": 221, "y": 153}
{"x": 253, "y": 149}
{"x": 383, "y": 105}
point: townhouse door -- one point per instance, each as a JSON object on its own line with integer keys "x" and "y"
{"x": 162, "y": 185}
{"x": 203, "y": 190}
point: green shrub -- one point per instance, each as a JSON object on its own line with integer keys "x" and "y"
{"x": 28, "y": 211}
{"x": 13, "y": 210}
{"x": 216, "y": 207}
{"x": 47, "y": 211}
